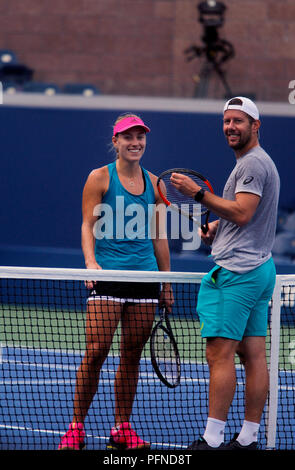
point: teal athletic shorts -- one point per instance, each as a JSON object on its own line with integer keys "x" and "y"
{"x": 233, "y": 305}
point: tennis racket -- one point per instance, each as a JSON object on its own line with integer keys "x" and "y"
{"x": 164, "y": 352}
{"x": 182, "y": 203}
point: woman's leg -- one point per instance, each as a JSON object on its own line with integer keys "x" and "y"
{"x": 102, "y": 321}
{"x": 137, "y": 322}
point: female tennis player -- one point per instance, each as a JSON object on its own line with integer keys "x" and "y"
{"x": 116, "y": 187}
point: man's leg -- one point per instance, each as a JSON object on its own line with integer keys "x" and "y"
{"x": 221, "y": 360}
{"x": 220, "y": 354}
{"x": 252, "y": 353}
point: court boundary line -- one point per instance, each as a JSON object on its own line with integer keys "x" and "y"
{"x": 14, "y": 427}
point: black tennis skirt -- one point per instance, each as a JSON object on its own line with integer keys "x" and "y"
{"x": 125, "y": 291}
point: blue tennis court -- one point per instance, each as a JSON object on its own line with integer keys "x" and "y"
{"x": 38, "y": 385}
{"x": 42, "y": 342}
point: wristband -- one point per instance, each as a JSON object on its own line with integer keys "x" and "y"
{"x": 199, "y": 195}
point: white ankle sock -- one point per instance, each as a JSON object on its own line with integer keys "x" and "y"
{"x": 248, "y": 433}
{"x": 214, "y": 432}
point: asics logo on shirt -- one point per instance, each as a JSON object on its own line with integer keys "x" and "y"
{"x": 248, "y": 180}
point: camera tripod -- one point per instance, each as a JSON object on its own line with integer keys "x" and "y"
{"x": 211, "y": 65}
{"x": 217, "y": 51}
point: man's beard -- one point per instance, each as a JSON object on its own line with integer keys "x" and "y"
{"x": 241, "y": 143}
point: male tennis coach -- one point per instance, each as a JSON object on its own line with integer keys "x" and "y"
{"x": 234, "y": 295}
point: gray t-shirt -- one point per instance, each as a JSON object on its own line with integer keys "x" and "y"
{"x": 242, "y": 249}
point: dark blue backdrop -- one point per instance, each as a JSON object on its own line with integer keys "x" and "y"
{"x": 47, "y": 154}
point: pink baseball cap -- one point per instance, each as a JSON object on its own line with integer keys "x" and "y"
{"x": 127, "y": 123}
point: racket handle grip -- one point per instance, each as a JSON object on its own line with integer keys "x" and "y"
{"x": 204, "y": 229}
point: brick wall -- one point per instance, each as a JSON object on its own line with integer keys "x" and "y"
{"x": 136, "y": 46}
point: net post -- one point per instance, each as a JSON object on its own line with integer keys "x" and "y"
{"x": 275, "y": 325}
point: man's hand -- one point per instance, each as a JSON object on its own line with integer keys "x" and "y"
{"x": 208, "y": 237}
{"x": 184, "y": 184}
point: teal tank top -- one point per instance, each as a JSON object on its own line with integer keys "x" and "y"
{"x": 122, "y": 231}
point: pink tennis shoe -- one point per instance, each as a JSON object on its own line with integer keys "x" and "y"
{"x": 123, "y": 437}
{"x": 74, "y": 438}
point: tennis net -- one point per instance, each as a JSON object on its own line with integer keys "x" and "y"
{"x": 42, "y": 344}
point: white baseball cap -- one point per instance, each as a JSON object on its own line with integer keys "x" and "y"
{"x": 242, "y": 104}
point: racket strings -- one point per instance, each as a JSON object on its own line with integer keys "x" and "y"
{"x": 166, "y": 355}
{"x": 181, "y": 200}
